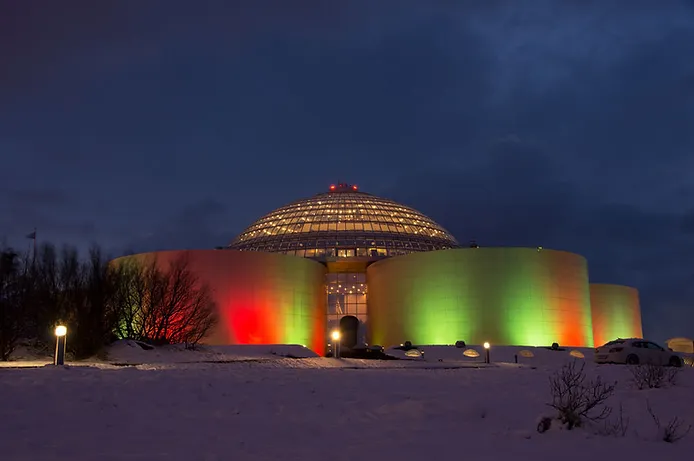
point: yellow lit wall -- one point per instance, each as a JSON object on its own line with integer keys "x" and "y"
{"x": 685, "y": 345}
{"x": 507, "y": 296}
{"x": 616, "y": 312}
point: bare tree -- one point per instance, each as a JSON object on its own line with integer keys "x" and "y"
{"x": 12, "y": 295}
{"x": 92, "y": 311}
{"x": 169, "y": 306}
{"x": 576, "y": 399}
{"x": 130, "y": 299}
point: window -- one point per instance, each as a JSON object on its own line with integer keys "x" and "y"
{"x": 654, "y": 346}
{"x": 346, "y": 218}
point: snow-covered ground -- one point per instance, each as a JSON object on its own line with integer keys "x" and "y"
{"x": 251, "y": 403}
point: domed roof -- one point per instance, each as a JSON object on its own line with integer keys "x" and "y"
{"x": 344, "y": 222}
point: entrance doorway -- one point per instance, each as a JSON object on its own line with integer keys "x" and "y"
{"x": 349, "y": 331}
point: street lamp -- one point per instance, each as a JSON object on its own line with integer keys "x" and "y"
{"x": 486, "y": 352}
{"x": 60, "y": 337}
{"x": 336, "y": 343}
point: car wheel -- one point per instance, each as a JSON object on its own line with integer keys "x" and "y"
{"x": 675, "y": 361}
{"x": 632, "y": 359}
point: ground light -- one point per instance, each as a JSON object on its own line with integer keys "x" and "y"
{"x": 336, "y": 343}
{"x": 60, "y": 337}
{"x": 486, "y": 352}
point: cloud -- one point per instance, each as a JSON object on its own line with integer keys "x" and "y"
{"x": 50, "y": 210}
{"x": 202, "y": 224}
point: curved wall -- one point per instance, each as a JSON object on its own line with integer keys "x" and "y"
{"x": 262, "y": 298}
{"x": 685, "y": 345}
{"x": 616, "y": 312}
{"x": 507, "y": 296}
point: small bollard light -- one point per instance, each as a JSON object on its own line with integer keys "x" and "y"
{"x": 336, "y": 343}
{"x": 486, "y": 352}
{"x": 60, "y": 337}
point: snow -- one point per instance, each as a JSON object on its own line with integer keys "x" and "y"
{"x": 251, "y": 403}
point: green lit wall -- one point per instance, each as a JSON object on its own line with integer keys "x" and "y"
{"x": 507, "y": 296}
{"x": 616, "y": 312}
{"x": 262, "y": 298}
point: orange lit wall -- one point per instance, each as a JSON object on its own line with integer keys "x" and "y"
{"x": 507, "y": 296}
{"x": 616, "y": 312}
{"x": 262, "y": 298}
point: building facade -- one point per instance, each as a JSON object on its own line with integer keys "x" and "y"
{"x": 384, "y": 273}
{"x": 346, "y": 230}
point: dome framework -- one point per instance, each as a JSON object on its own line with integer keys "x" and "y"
{"x": 344, "y": 223}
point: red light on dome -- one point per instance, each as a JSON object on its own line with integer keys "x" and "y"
{"x": 332, "y": 187}
{"x": 354, "y": 187}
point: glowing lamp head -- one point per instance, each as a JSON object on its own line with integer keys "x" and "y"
{"x": 354, "y": 187}
{"x": 335, "y": 335}
{"x": 486, "y": 345}
{"x": 60, "y": 330}
{"x": 332, "y": 187}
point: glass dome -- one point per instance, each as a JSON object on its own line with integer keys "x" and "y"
{"x": 344, "y": 223}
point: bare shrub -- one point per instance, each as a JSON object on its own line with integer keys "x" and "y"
{"x": 616, "y": 427}
{"x": 543, "y": 424}
{"x": 671, "y": 432}
{"x": 576, "y": 399}
{"x": 651, "y": 376}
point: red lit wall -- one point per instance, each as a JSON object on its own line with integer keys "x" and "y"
{"x": 616, "y": 312}
{"x": 262, "y": 298}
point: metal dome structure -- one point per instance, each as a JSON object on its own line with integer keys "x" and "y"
{"x": 344, "y": 223}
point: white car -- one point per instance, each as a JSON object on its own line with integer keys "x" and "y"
{"x": 634, "y": 351}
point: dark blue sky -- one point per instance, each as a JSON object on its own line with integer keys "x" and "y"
{"x": 168, "y": 124}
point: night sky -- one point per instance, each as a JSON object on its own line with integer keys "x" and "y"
{"x": 146, "y": 125}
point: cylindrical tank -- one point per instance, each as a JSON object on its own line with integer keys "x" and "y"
{"x": 507, "y": 296}
{"x": 262, "y": 298}
{"x": 616, "y": 312}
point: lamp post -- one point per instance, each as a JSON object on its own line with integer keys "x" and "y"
{"x": 486, "y": 352}
{"x": 336, "y": 343}
{"x": 60, "y": 337}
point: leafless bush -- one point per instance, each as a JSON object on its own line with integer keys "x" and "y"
{"x": 543, "y": 424}
{"x": 616, "y": 427}
{"x": 578, "y": 400}
{"x": 671, "y": 432}
{"x": 651, "y": 376}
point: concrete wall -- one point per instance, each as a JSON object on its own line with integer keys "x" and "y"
{"x": 616, "y": 312}
{"x": 507, "y": 296}
{"x": 262, "y": 298}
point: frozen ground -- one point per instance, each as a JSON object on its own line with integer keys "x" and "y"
{"x": 254, "y": 405}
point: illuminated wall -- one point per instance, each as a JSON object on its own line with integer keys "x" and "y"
{"x": 512, "y": 296}
{"x": 685, "y": 345}
{"x": 263, "y": 298}
{"x": 616, "y": 312}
